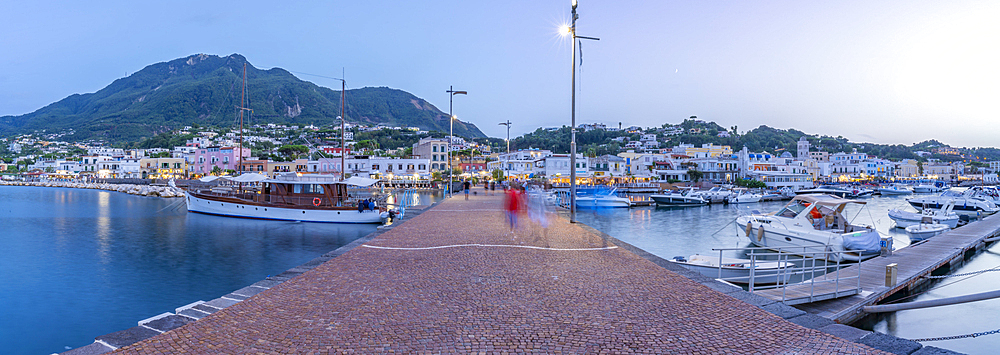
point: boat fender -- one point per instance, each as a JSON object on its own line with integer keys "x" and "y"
{"x": 316, "y": 201}
{"x": 749, "y": 230}
{"x": 760, "y": 232}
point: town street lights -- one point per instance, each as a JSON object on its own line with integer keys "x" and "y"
{"x": 508, "y": 133}
{"x": 572, "y": 127}
{"x": 451, "y": 131}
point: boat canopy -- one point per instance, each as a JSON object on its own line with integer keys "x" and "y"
{"x": 309, "y": 179}
{"x": 250, "y": 177}
{"x": 829, "y": 201}
{"x": 211, "y": 178}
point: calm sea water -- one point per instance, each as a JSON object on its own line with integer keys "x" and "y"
{"x": 77, "y": 264}
{"x": 669, "y": 232}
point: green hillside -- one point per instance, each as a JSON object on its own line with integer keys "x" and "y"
{"x": 205, "y": 90}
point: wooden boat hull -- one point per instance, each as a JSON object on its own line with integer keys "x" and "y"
{"x": 200, "y": 204}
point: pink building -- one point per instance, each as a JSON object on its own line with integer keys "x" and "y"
{"x": 207, "y": 158}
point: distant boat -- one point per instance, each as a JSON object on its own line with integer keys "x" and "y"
{"x": 745, "y": 196}
{"x": 678, "y": 199}
{"x": 737, "y": 270}
{"x": 602, "y": 199}
{"x": 828, "y": 190}
{"x": 894, "y": 190}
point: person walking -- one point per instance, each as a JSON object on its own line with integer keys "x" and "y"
{"x": 467, "y": 186}
{"x": 493, "y": 188}
{"x": 512, "y": 205}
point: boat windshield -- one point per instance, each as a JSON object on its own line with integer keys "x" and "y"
{"x": 793, "y": 209}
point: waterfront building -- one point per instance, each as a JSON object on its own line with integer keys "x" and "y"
{"x": 434, "y": 150}
{"x": 520, "y": 163}
{"x": 707, "y": 150}
{"x": 206, "y": 159}
{"x": 607, "y": 166}
{"x": 718, "y": 169}
{"x": 907, "y": 168}
{"x": 556, "y": 168}
{"x": 89, "y": 163}
{"x": 777, "y": 179}
{"x": 162, "y": 168}
{"x": 641, "y": 164}
{"x": 254, "y": 165}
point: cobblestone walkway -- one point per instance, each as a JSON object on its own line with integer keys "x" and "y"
{"x": 449, "y": 281}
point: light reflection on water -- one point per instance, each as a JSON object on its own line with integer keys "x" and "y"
{"x": 83, "y": 263}
{"x": 669, "y": 232}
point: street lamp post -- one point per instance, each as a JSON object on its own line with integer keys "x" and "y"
{"x": 508, "y": 133}
{"x": 572, "y": 127}
{"x": 451, "y": 131}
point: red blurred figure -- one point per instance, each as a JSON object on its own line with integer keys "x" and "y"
{"x": 512, "y": 205}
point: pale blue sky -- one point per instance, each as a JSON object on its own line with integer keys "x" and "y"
{"x": 878, "y": 71}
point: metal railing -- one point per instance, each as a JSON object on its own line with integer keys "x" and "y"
{"x": 801, "y": 263}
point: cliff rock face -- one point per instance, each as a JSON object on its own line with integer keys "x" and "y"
{"x": 206, "y": 89}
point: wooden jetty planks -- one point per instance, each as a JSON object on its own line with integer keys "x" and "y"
{"x": 912, "y": 262}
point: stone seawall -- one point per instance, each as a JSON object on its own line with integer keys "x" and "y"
{"x": 141, "y": 190}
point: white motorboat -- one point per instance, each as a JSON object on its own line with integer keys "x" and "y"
{"x": 966, "y": 203}
{"x": 927, "y": 188}
{"x": 745, "y": 196}
{"x": 603, "y": 199}
{"x": 944, "y": 216}
{"x": 922, "y": 231}
{"x": 716, "y": 193}
{"x": 737, "y": 270}
{"x": 828, "y": 190}
{"x": 678, "y": 199}
{"x": 894, "y": 190}
{"x": 812, "y": 224}
{"x": 291, "y": 197}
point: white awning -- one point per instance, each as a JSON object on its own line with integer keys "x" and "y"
{"x": 250, "y": 177}
{"x": 211, "y": 178}
{"x": 360, "y": 181}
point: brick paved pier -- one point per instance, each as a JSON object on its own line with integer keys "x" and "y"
{"x": 455, "y": 280}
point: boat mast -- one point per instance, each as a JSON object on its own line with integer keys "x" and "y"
{"x": 343, "y": 148}
{"x": 243, "y": 94}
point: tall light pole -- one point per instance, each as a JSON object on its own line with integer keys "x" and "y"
{"x": 508, "y": 133}
{"x": 451, "y": 131}
{"x": 572, "y": 127}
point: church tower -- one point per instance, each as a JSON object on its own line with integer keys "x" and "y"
{"x": 803, "y": 148}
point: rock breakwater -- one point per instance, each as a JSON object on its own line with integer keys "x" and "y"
{"x": 133, "y": 189}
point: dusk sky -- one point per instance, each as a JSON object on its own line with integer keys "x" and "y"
{"x": 871, "y": 71}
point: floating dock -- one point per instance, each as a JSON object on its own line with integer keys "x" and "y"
{"x": 913, "y": 264}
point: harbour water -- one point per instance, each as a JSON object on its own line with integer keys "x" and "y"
{"x": 82, "y": 263}
{"x": 670, "y": 232}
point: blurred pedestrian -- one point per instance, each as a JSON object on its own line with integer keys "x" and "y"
{"x": 467, "y": 186}
{"x": 512, "y": 205}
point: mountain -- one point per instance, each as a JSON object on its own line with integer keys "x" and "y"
{"x": 205, "y": 89}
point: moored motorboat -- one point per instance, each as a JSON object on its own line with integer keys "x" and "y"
{"x": 737, "y": 270}
{"x": 922, "y": 231}
{"x": 290, "y": 196}
{"x": 677, "y": 199}
{"x": 814, "y": 226}
{"x": 603, "y": 199}
{"x": 894, "y": 190}
{"x": 944, "y": 216}
{"x": 965, "y": 202}
{"x": 828, "y": 190}
{"x": 745, "y": 196}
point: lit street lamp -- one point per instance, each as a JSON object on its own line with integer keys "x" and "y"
{"x": 451, "y": 131}
{"x": 572, "y": 128}
{"x": 508, "y": 133}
